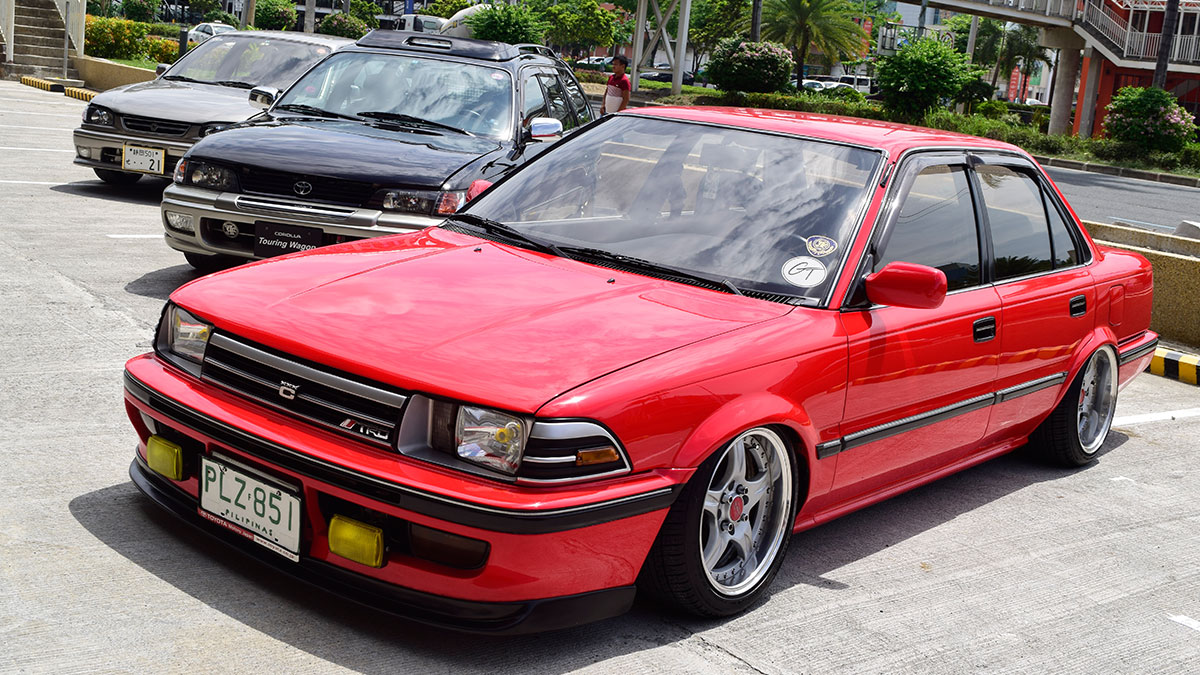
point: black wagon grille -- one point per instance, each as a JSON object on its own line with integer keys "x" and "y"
{"x": 152, "y": 126}
{"x": 367, "y": 412}
{"x": 299, "y": 186}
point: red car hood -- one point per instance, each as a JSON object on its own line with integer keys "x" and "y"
{"x": 456, "y": 316}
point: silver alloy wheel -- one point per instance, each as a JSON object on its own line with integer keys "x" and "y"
{"x": 1097, "y": 400}
{"x": 746, "y": 512}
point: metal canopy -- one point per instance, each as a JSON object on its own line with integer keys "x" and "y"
{"x": 645, "y": 44}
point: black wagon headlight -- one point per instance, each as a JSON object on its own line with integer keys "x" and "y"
{"x": 98, "y": 115}
{"x": 205, "y": 175}
{"x": 183, "y": 338}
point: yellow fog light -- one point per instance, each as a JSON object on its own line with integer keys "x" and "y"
{"x": 356, "y": 541}
{"x": 165, "y": 457}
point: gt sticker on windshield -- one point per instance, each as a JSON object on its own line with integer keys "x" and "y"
{"x": 803, "y": 271}
{"x": 820, "y": 245}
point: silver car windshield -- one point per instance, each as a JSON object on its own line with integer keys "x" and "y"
{"x": 246, "y": 62}
{"x": 476, "y": 99}
{"x": 767, "y": 213}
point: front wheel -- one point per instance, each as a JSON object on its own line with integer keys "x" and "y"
{"x": 1074, "y": 432}
{"x": 117, "y": 177}
{"x": 724, "y": 539}
{"x": 209, "y": 263}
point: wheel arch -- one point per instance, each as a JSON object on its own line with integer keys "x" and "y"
{"x": 1101, "y": 336}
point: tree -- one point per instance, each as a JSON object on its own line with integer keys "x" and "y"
{"x": 446, "y": 8}
{"x": 1021, "y": 49}
{"x": 514, "y": 24}
{"x": 987, "y": 38}
{"x": 579, "y": 25}
{"x": 713, "y": 21}
{"x": 919, "y": 76}
{"x": 827, "y": 25}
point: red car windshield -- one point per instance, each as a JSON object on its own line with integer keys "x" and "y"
{"x": 767, "y": 213}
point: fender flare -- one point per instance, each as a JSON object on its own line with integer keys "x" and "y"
{"x": 1100, "y": 336}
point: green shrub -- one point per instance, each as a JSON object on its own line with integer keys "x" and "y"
{"x": 220, "y": 16}
{"x": 514, "y": 24}
{"x": 1190, "y": 156}
{"x": 919, "y": 76}
{"x": 1113, "y": 150}
{"x": 1166, "y": 161}
{"x": 204, "y": 7}
{"x": 109, "y": 38}
{"x": 992, "y": 110}
{"x": 159, "y": 50}
{"x": 741, "y": 65}
{"x": 804, "y": 102}
{"x": 588, "y": 75}
{"x": 343, "y": 25}
{"x": 842, "y": 94}
{"x": 975, "y": 90}
{"x": 446, "y": 8}
{"x": 366, "y": 11}
{"x": 275, "y": 15}
{"x": 1149, "y": 117}
{"x": 140, "y": 10}
{"x": 170, "y": 30}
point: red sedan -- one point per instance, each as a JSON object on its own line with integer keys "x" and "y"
{"x": 644, "y": 360}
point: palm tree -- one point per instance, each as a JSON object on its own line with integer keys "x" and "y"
{"x": 827, "y": 25}
{"x": 1021, "y": 47}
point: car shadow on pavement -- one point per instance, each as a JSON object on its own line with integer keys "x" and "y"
{"x": 161, "y": 283}
{"x": 145, "y": 191}
{"x": 366, "y": 640}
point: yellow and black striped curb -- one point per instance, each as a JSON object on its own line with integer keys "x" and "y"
{"x": 79, "y": 93}
{"x": 1175, "y": 365}
{"x": 38, "y": 82}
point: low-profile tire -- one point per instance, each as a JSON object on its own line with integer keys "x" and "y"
{"x": 1073, "y": 434}
{"x": 117, "y": 177}
{"x": 700, "y": 565}
{"x": 209, "y": 263}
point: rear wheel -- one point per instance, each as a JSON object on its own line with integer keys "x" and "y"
{"x": 1074, "y": 432}
{"x": 209, "y": 263}
{"x": 724, "y": 539}
{"x": 117, "y": 177}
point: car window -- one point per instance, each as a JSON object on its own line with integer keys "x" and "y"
{"x": 252, "y": 61}
{"x": 204, "y": 29}
{"x": 936, "y": 227}
{"x": 1066, "y": 251}
{"x": 556, "y": 100}
{"x": 466, "y": 96}
{"x": 1017, "y": 219}
{"x": 535, "y": 100}
{"x": 767, "y": 212}
{"x": 578, "y": 100}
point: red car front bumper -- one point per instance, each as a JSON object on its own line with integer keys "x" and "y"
{"x": 555, "y": 558}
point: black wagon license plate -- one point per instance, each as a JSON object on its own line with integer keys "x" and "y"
{"x": 276, "y": 239}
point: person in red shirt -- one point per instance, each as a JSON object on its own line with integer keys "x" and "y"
{"x": 616, "y": 94}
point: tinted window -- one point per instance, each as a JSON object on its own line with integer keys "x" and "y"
{"x": 557, "y": 100}
{"x": 535, "y": 101}
{"x": 1017, "y": 215}
{"x": 578, "y": 99}
{"x": 936, "y": 227}
{"x": 1066, "y": 253}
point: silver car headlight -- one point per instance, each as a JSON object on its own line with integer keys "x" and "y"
{"x": 182, "y": 338}
{"x": 94, "y": 114}
{"x": 489, "y": 437}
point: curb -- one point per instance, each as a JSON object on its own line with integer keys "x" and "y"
{"x": 1175, "y": 365}
{"x": 1095, "y": 167}
{"x": 80, "y": 93}
{"x": 38, "y": 82}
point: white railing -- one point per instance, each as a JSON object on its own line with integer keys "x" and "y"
{"x": 1187, "y": 48}
{"x": 1106, "y": 22}
{"x": 1060, "y": 8}
{"x": 1134, "y": 44}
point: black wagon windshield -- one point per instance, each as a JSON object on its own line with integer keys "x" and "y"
{"x": 766, "y": 213}
{"x": 406, "y": 89}
{"x": 241, "y": 61}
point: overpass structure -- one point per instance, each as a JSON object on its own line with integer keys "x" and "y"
{"x": 1107, "y": 44}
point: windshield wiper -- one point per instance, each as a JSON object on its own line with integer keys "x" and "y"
{"x": 409, "y": 119}
{"x": 497, "y": 227}
{"x": 184, "y": 78}
{"x": 638, "y": 264}
{"x": 311, "y": 110}
{"x": 234, "y": 83}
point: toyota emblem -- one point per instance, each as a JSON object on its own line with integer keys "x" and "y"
{"x": 302, "y": 188}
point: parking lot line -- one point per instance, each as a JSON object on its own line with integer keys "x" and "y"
{"x": 1155, "y": 417}
{"x": 31, "y": 182}
{"x": 9, "y": 147}
{"x": 1187, "y": 621}
{"x": 134, "y": 236}
{"x": 39, "y": 114}
{"x": 18, "y": 126}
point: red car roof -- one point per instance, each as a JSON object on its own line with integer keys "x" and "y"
{"x": 889, "y": 136}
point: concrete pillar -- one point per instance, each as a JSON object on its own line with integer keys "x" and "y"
{"x": 1064, "y": 89}
{"x": 1089, "y": 93}
{"x": 681, "y": 38}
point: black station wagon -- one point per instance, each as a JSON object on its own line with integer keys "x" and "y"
{"x": 381, "y": 137}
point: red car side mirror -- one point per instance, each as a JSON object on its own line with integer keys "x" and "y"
{"x": 902, "y": 284}
{"x": 477, "y": 188}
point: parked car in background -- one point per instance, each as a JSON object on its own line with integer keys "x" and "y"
{"x": 661, "y": 76}
{"x": 643, "y": 360}
{"x": 386, "y": 136}
{"x": 859, "y": 82}
{"x": 597, "y": 60}
{"x": 144, "y": 129}
{"x": 419, "y": 23}
{"x": 204, "y": 31}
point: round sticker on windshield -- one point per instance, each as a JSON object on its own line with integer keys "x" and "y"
{"x": 803, "y": 271}
{"x": 820, "y": 245}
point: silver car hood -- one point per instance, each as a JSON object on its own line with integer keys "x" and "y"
{"x": 189, "y": 102}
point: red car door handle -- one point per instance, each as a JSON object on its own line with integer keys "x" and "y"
{"x": 985, "y": 329}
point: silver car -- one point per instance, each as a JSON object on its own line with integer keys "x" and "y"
{"x": 145, "y": 128}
